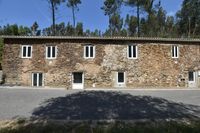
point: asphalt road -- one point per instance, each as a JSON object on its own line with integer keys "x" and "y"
{"x": 22, "y": 102}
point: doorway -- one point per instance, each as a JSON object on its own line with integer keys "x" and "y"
{"x": 191, "y": 79}
{"x": 37, "y": 79}
{"x": 120, "y": 79}
{"x": 78, "y": 80}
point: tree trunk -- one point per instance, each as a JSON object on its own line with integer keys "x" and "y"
{"x": 189, "y": 27}
{"x": 53, "y": 18}
{"x": 110, "y": 26}
{"x": 194, "y": 30}
{"x": 138, "y": 17}
{"x": 73, "y": 13}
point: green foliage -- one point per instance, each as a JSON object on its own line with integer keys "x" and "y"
{"x": 15, "y": 30}
{"x": 135, "y": 3}
{"x": 73, "y": 3}
{"x": 170, "y": 27}
{"x": 123, "y": 33}
{"x": 111, "y": 7}
{"x": 131, "y": 24}
{"x": 116, "y": 23}
{"x": 140, "y": 5}
{"x": 101, "y": 127}
{"x": 61, "y": 30}
{"x": 79, "y": 29}
{"x": 24, "y": 31}
{"x": 55, "y": 2}
{"x": 155, "y": 24}
{"x": 148, "y": 6}
{"x": 189, "y": 18}
{"x": 34, "y": 28}
{"x": 68, "y": 30}
{"x": 94, "y": 33}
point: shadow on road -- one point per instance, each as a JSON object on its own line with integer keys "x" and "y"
{"x": 100, "y": 105}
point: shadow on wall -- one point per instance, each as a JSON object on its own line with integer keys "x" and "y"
{"x": 99, "y": 105}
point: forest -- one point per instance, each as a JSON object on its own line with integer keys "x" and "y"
{"x": 148, "y": 19}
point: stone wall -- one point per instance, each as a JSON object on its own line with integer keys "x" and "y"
{"x": 154, "y": 67}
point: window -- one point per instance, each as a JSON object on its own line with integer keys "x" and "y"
{"x": 51, "y": 52}
{"x": 120, "y": 77}
{"x": 175, "y": 51}
{"x": 132, "y": 52}
{"x": 37, "y": 79}
{"x": 26, "y": 51}
{"x": 89, "y": 51}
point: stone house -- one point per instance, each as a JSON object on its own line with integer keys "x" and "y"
{"x": 97, "y": 62}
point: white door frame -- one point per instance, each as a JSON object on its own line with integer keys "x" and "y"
{"x": 37, "y": 79}
{"x": 78, "y": 85}
{"x": 194, "y": 82}
{"x": 120, "y": 84}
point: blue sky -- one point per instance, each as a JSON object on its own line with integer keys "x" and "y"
{"x": 25, "y": 12}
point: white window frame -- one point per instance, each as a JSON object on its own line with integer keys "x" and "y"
{"x": 124, "y": 78}
{"x": 37, "y": 79}
{"x": 51, "y": 49}
{"x": 136, "y": 46}
{"x": 89, "y": 56}
{"x": 22, "y": 49}
{"x": 173, "y": 51}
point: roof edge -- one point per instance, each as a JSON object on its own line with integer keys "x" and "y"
{"x": 107, "y": 38}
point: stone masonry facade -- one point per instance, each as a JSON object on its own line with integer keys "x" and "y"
{"x": 153, "y": 67}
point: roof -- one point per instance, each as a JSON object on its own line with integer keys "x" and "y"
{"x": 129, "y": 39}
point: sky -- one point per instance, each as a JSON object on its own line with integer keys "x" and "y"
{"x": 26, "y": 12}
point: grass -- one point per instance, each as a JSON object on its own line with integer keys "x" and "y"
{"x": 27, "y": 126}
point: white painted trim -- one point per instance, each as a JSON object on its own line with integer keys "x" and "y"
{"x": 38, "y": 79}
{"x": 81, "y": 84}
{"x": 83, "y": 76}
{"x": 51, "y": 52}
{"x": 94, "y": 51}
{"x": 42, "y": 79}
{"x": 124, "y": 78}
{"x": 173, "y": 51}
{"x": 136, "y": 46}
{"x": 56, "y": 51}
{"x": 22, "y": 51}
{"x": 89, "y": 56}
{"x": 32, "y": 79}
{"x": 193, "y": 83}
{"x": 37, "y": 73}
